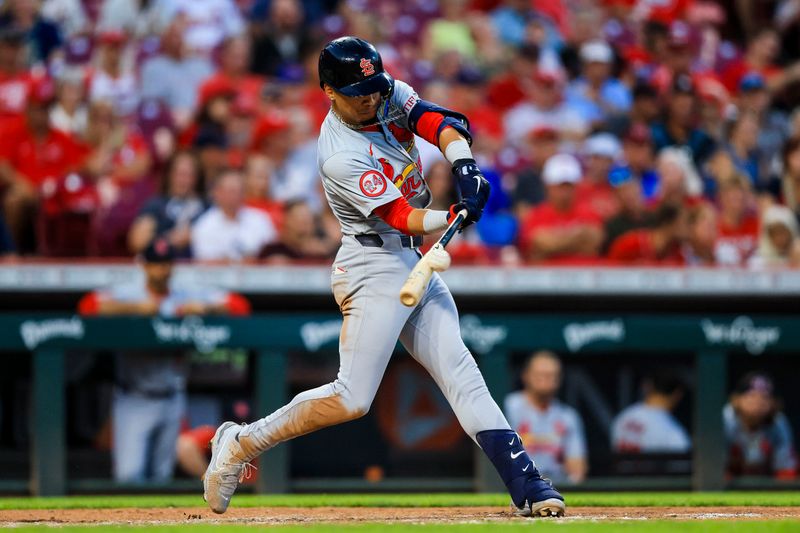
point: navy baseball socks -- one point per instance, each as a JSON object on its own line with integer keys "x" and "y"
{"x": 531, "y": 494}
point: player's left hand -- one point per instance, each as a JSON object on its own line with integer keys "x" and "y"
{"x": 470, "y": 180}
{"x": 473, "y": 206}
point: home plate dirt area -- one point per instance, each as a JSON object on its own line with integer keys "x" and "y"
{"x": 305, "y": 515}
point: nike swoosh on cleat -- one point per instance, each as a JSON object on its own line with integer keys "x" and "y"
{"x": 524, "y": 469}
{"x": 515, "y": 455}
{"x": 512, "y": 441}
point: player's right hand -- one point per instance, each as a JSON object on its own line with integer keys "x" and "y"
{"x": 474, "y": 208}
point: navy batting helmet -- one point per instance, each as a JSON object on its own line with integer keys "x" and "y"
{"x": 353, "y": 67}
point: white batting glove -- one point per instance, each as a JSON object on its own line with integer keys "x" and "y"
{"x": 438, "y": 258}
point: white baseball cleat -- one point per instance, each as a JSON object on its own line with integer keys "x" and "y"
{"x": 227, "y": 468}
{"x": 551, "y": 507}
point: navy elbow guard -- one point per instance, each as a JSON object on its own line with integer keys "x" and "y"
{"x": 453, "y": 119}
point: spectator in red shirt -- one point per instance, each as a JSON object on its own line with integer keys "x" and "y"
{"x": 507, "y": 90}
{"x": 660, "y": 244}
{"x": 602, "y": 150}
{"x": 760, "y": 55}
{"x": 561, "y": 227}
{"x": 738, "y": 225}
{"x": 38, "y": 158}
{"x": 234, "y": 62}
{"x": 633, "y": 213}
{"x": 541, "y": 145}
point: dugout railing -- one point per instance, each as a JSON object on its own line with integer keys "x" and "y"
{"x": 491, "y": 337}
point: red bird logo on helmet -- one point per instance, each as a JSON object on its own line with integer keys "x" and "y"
{"x": 366, "y": 67}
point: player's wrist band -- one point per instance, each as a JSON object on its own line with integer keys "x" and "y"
{"x": 456, "y": 150}
{"x": 434, "y": 221}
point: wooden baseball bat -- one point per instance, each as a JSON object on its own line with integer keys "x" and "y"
{"x": 420, "y": 275}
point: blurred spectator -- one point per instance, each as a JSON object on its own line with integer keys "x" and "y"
{"x": 257, "y": 175}
{"x": 450, "y": 33}
{"x": 41, "y": 37}
{"x": 561, "y": 227}
{"x": 295, "y": 175}
{"x": 649, "y": 426}
{"x": 742, "y": 148}
{"x": 541, "y": 145}
{"x": 112, "y": 81}
{"x": 233, "y": 72}
{"x": 68, "y": 15}
{"x": 702, "y": 236}
{"x": 509, "y": 87}
{"x": 644, "y": 110}
{"x": 773, "y": 124}
{"x": 119, "y": 163}
{"x": 779, "y": 241}
{"x": 759, "y": 57}
{"x": 298, "y": 237}
{"x": 15, "y": 79}
{"x": 170, "y": 215}
{"x": 69, "y": 113}
{"x": 544, "y": 107}
{"x": 596, "y": 94}
{"x": 738, "y": 223}
{"x": 602, "y": 150}
{"x": 281, "y": 40}
{"x": 548, "y": 428}
{"x": 679, "y": 125}
{"x": 758, "y": 434}
{"x": 137, "y": 19}
{"x": 211, "y": 146}
{"x": 150, "y": 396}
{"x": 229, "y": 230}
{"x": 660, "y": 243}
{"x": 207, "y": 22}
{"x": 174, "y": 75}
{"x": 637, "y": 150}
{"x": 37, "y": 160}
{"x": 633, "y": 213}
{"x": 678, "y": 180}
{"x": 192, "y": 450}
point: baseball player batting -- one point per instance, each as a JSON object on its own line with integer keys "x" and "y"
{"x": 373, "y": 180}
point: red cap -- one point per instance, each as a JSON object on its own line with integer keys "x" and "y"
{"x": 638, "y": 133}
{"x": 112, "y": 37}
{"x": 267, "y": 126}
{"x": 544, "y": 131}
{"x": 43, "y": 92}
{"x": 636, "y": 55}
{"x": 546, "y": 77}
{"x": 214, "y": 88}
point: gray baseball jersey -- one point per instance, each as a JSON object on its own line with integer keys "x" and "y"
{"x": 641, "y": 428}
{"x": 361, "y": 170}
{"x": 366, "y": 168}
{"x": 766, "y": 451}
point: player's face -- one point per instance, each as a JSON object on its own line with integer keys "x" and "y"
{"x": 543, "y": 377}
{"x": 357, "y": 109}
{"x": 754, "y": 406}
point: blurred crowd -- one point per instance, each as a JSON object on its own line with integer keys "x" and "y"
{"x": 613, "y": 131}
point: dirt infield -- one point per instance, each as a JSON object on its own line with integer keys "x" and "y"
{"x": 297, "y": 515}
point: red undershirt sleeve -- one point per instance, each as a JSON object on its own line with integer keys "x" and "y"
{"x": 395, "y": 213}
{"x": 428, "y": 127}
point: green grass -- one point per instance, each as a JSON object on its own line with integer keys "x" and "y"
{"x": 606, "y": 499}
{"x": 522, "y": 526}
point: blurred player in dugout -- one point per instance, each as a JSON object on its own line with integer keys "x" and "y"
{"x": 550, "y": 430}
{"x": 149, "y": 401}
